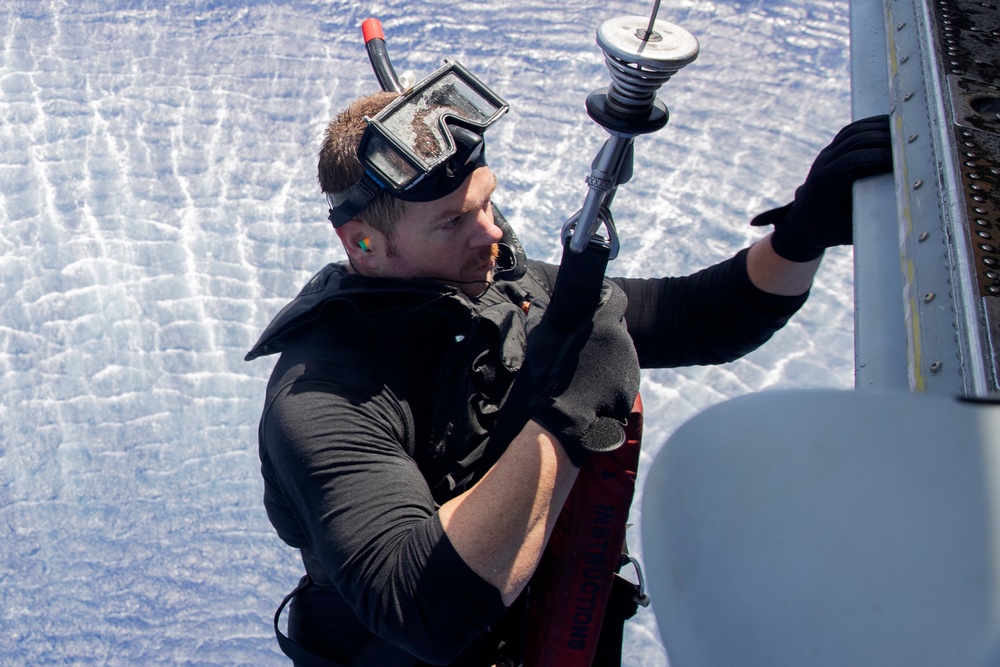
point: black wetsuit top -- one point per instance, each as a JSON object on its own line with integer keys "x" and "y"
{"x": 379, "y": 410}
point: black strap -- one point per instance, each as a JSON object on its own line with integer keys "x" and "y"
{"x": 578, "y": 285}
{"x": 300, "y": 655}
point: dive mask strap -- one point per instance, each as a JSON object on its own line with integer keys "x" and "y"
{"x": 347, "y": 205}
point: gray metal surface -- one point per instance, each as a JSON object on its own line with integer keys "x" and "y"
{"x": 943, "y": 59}
{"x": 828, "y": 528}
{"x": 879, "y": 331}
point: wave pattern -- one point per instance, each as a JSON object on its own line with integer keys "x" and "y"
{"x": 158, "y": 204}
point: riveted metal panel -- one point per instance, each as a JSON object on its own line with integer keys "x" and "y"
{"x": 943, "y": 60}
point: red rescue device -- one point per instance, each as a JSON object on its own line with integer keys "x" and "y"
{"x": 570, "y": 589}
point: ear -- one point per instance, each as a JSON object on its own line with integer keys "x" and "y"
{"x": 364, "y": 246}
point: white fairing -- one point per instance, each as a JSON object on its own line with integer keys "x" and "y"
{"x": 827, "y": 528}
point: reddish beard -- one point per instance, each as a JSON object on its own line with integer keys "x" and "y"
{"x": 485, "y": 255}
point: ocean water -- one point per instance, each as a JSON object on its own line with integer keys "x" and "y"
{"x": 158, "y": 204}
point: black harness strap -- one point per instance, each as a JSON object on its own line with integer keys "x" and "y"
{"x": 300, "y": 655}
{"x": 578, "y": 285}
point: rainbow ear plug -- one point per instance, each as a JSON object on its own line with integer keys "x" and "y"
{"x": 365, "y": 244}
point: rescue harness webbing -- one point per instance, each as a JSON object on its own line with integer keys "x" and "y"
{"x": 300, "y": 655}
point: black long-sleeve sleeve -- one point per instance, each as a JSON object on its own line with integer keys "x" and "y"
{"x": 710, "y": 317}
{"x": 335, "y": 453}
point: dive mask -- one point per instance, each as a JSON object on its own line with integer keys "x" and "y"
{"x": 425, "y": 143}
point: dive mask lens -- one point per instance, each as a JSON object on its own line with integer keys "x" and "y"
{"x": 413, "y": 135}
{"x": 394, "y": 168}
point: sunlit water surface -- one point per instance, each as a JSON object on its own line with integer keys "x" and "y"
{"x": 158, "y": 204}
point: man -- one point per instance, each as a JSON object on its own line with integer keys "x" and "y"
{"x": 426, "y": 421}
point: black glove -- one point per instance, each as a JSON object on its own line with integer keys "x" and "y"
{"x": 584, "y": 382}
{"x": 821, "y": 215}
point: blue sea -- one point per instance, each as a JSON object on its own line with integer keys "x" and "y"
{"x": 158, "y": 205}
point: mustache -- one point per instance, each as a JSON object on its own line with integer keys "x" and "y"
{"x": 487, "y": 254}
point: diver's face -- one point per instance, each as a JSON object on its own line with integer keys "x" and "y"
{"x": 452, "y": 239}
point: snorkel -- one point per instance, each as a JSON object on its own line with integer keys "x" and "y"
{"x": 425, "y": 143}
{"x": 371, "y": 29}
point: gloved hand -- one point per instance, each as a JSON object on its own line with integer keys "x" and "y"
{"x": 584, "y": 383}
{"x": 820, "y": 216}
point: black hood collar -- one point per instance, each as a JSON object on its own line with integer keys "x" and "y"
{"x": 334, "y": 283}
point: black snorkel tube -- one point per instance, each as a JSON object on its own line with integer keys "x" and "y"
{"x": 371, "y": 29}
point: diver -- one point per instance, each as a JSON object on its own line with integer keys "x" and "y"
{"x": 426, "y": 421}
